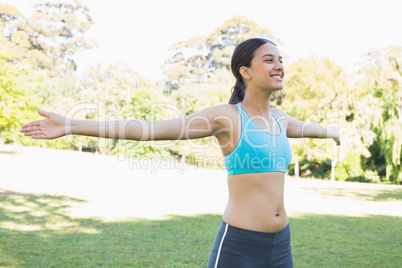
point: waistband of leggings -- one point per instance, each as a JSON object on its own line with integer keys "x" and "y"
{"x": 256, "y": 235}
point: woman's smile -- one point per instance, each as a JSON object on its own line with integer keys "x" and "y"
{"x": 277, "y": 77}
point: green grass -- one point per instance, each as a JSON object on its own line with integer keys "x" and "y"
{"x": 361, "y": 194}
{"x": 37, "y": 231}
{"x": 339, "y": 241}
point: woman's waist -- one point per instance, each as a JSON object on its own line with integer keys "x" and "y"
{"x": 263, "y": 206}
{"x": 260, "y": 216}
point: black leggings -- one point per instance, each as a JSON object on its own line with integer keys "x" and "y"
{"x": 236, "y": 248}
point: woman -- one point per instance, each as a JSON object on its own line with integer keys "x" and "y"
{"x": 253, "y": 139}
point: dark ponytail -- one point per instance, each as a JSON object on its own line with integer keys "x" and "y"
{"x": 242, "y": 56}
{"x": 238, "y": 92}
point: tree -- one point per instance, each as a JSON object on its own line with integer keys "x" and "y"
{"x": 310, "y": 94}
{"x": 114, "y": 85}
{"x": 112, "y": 93}
{"x": 381, "y": 76}
{"x": 143, "y": 105}
{"x": 17, "y": 102}
{"x": 8, "y": 13}
{"x": 49, "y": 39}
{"x": 197, "y": 58}
{"x": 318, "y": 91}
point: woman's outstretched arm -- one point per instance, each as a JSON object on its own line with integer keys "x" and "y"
{"x": 204, "y": 123}
{"x": 299, "y": 129}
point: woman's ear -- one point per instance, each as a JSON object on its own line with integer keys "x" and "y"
{"x": 244, "y": 71}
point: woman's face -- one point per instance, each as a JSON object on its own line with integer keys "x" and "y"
{"x": 266, "y": 70}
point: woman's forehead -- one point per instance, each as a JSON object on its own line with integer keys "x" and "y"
{"x": 268, "y": 49}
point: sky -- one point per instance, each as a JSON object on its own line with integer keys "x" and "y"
{"x": 140, "y": 33}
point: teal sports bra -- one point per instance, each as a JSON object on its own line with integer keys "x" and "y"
{"x": 257, "y": 151}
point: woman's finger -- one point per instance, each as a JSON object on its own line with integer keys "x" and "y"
{"x": 31, "y": 133}
{"x": 29, "y": 128}
{"x": 30, "y": 124}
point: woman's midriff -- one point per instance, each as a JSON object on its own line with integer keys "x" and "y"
{"x": 256, "y": 202}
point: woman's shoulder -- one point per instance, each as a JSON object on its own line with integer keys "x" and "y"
{"x": 280, "y": 115}
{"x": 224, "y": 109}
{"x": 219, "y": 113}
{"x": 278, "y": 112}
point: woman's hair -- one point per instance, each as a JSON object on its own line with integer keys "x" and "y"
{"x": 242, "y": 56}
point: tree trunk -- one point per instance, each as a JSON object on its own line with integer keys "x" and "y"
{"x": 297, "y": 166}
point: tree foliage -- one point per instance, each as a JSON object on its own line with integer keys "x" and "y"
{"x": 381, "y": 76}
{"x": 16, "y": 102}
{"x": 312, "y": 88}
{"x": 50, "y": 37}
{"x": 143, "y": 105}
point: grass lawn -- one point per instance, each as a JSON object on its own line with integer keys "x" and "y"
{"x": 39, "y": 230}
{"x": 36, "y": 232}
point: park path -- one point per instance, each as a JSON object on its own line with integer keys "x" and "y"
{"x": 112, "y": 188}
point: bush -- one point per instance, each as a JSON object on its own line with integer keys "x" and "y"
{"x": 313, "y": 168}
{"x": 349, "y": 168}
{"x": 359, "y": 178}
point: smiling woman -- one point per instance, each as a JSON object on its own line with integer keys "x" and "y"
{"x": 253, "y": 137}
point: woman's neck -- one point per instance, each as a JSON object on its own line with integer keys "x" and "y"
{"x": 257, "y": 102}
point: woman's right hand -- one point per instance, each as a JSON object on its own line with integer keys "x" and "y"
{"x": 334, "y": 134}
{"x": 52, "y": 127}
